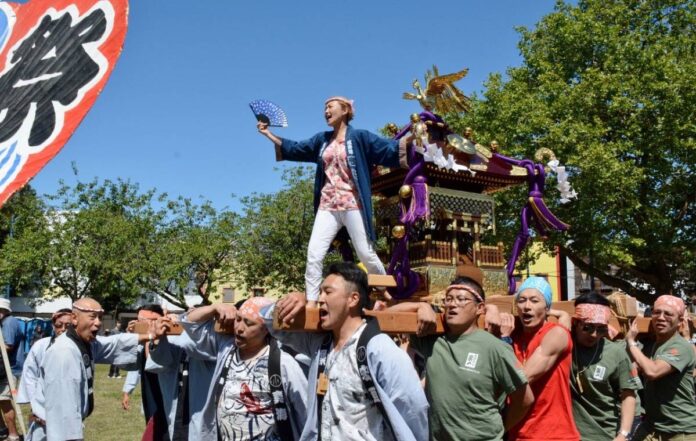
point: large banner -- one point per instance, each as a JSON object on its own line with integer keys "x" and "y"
{"x": 55, "y": 58}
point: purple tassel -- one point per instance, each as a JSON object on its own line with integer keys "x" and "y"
{"x": 420, "y": 203}
{"x": 535, "y": 210}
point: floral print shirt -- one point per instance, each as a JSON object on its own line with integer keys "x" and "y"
{"x": 339, "y": 192}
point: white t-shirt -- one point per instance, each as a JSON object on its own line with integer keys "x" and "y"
{"x": 347, "y": 413}
{"x": 245, "y": 411}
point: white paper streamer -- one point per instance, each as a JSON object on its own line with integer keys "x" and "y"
{"x": 433, "y": 153}
{"x": 563, "y": 186}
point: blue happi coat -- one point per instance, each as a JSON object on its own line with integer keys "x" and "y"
{"x": 63, "y": 403}
{"x": 393, "y": 374}
{"x": 218, "y": 345}
{"x": 164, "y": 360}
{"x": 363, "y": 150}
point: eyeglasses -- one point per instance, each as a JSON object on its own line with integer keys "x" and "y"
{"x": 458, "y": 301}
{"x": 599, "y": 329}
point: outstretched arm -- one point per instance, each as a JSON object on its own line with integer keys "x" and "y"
{"x": 263, "y": 129}
{"x": 290, "y": 306}
{"x": 286, "y": 149}
{"x": 388, "y": 152}
{"x": 199, "y": 326}
{"x": 545, "y": 356}
{"x": 520, "y": 402}
{"x": 427, "y": 320}
{"x": 652, "y": 369}
{"x": 562, "y": 317}
{"x": 224, "y": 312}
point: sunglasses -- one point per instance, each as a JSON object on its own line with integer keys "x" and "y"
{"x": 599, "y": 329}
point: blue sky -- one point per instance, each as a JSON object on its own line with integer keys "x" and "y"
{"x": 174, "y": 114}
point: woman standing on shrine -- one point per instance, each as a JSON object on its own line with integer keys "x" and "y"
{"x": 545, "y": 351}
{"x": 342, "y": 185}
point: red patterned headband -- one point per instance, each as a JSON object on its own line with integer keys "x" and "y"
{"x": 251, "y": 309}
{"x": 591, "y": 313}
{"x": 85, "y": 309}
{"x": 466, "y": 288}
{"x": 57, "y": 315}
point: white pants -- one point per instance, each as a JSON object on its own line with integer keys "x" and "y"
{"x": 326, "y": 226}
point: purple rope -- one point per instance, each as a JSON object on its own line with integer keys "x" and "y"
{"x": 544, "y": 218}
{"x": 407, "y": 280}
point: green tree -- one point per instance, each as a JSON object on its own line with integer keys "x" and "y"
{"x": 111, "y": 241}
{"x": 609, "y": 86}
{"x": 190, "y": 253}
{"x": 275, "y": 230}
{"x": 22, "y": 214}
{"x": 86, "y": 244}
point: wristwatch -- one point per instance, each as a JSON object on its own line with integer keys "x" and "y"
{"x": 625, "y": 433}
{"x": 635, "y": 344}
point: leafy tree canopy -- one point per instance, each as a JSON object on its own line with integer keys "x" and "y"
{"x": 609, "y": 86}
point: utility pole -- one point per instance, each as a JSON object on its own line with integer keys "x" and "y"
{"x": 592, "y": 281}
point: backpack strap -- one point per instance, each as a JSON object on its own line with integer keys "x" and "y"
{"x": 182, "y": 415}
{"x": 371, "y": 330}
{"x": 281, "y": 414}
{"x": 322, "y": 380}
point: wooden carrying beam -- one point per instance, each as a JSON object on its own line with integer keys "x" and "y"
{"x": 645, "y": 325}
{"x": 143, "y": 327}
{"x": 224, "y": 329}
{"x": 399, "y": 322}
{"x": 407, "y": 322}
{"x": 389, "y": 322}
{"x": 379, "y": 280}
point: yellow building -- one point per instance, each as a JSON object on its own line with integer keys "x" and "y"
{"x": 550, "y": 267}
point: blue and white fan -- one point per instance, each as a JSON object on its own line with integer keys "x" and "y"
{"x": 269, "y": 113}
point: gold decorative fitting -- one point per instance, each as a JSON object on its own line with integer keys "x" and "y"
{"x": 391, "y": 129}
{"x": 484, "y": 151}
{"x": 415, "y": 118}
{"x": 405, "y": 191}
{"x": 544, "y": 152}
{"x": 440, "y": 94}
{"x": 494, "y": 146}
{"x": 518, "y": 171}
{"x": 461, "y": 144}
{"x": 398, "y": 231}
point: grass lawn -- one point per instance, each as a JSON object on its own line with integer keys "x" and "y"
{"x": 109, "y": 422}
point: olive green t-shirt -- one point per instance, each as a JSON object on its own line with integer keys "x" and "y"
{"x": 669, "y": 401}
{"x": 604, "y": 372}
{"x": 467, "y": 377}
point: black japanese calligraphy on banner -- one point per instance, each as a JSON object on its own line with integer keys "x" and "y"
{"x": 55, "y": 58}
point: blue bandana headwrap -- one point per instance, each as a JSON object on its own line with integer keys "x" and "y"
{"x": 540, "y": 284}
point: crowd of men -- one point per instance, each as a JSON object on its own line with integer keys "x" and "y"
{"x": 521, "y": 378}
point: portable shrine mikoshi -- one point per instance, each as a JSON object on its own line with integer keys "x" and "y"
{"x": 438, "y": 212}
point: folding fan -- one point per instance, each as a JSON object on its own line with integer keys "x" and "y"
{"x": 269, "y": 113}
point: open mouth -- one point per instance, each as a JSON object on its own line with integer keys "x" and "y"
{"x": 527, "y": 317}
{"x": 323, "y": 314}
